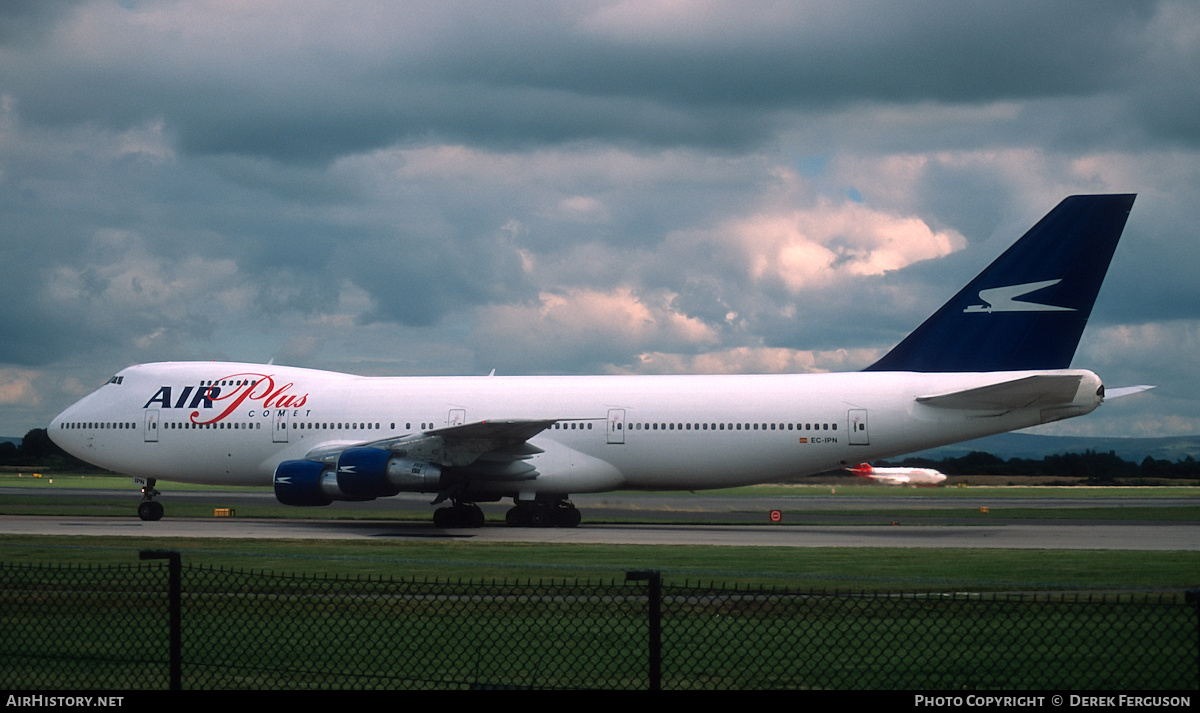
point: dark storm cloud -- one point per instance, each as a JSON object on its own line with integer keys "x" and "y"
{"x": 514, "y": 74}
{"x": 28, "y": 21}
{"x": 814, "y": 55}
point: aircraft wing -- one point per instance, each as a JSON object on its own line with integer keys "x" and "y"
{"x": 486, "y": 447}
{"x": 493, "y": 434}
{"x": 1040, "y": 390}
{"x": 448, "y": 461}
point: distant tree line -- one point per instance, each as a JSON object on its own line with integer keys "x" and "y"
{"x": 1092, "y": 466}
{"x": 38, "y": 450}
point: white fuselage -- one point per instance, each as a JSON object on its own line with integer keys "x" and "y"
{"x": 233, "y": 424}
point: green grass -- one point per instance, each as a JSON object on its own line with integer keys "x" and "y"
{"x": 32, "y": 479}
{"x": 853, "y": 489}
{"x": 973, "y": 515}
{"x": 85, "y": 628}
{"x": 865, "y": 569}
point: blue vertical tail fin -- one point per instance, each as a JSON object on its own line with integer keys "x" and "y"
{"x": 1028, "y": 308}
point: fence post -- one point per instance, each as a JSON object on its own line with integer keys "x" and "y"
{"x": 1192, "y": 596}
{"x": 655, "y": 578}
{"x": 174, "y": 587}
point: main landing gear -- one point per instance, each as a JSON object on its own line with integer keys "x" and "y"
{"x": 458, "y": 515}
{"x": 150, "y": 509}
{"x": 541, "y": 512}
{"x": 557, "y": 512}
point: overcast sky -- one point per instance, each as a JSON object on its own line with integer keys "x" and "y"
{"x": 586, "y": 187}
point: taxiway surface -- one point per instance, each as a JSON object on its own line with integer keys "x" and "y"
{"x": 680, "y": 520}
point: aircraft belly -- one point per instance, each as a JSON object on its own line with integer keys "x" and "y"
{"x": 715, "y": 464}
{"x": 207, "y": 461}
{"x": 562, "y": 469}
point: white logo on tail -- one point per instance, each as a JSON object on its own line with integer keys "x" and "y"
{"x": 1001, "y": 299}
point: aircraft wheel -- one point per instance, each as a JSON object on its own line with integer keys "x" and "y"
{"x": 538, "y": 516}
{"x": 569, "y": 517}
{"x": 474, "y": 515}
{"x": 458, "y": 516}
{"x": 515, "y": 517}
{"x": 150, "y": 510}
{"x": 442, "y": 517}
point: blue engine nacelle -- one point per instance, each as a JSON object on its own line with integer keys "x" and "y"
{"x": 298, "y": 482}
{"x": 361, "y": 474}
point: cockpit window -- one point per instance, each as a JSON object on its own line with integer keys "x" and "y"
{"x": 116, "y": 380}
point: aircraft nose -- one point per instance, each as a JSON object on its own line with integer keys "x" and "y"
{"x": 57, "y": 429}
{"x": 60, "y": 432}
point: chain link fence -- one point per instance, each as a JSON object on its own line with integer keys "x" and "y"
{"x": 159, "y": 625}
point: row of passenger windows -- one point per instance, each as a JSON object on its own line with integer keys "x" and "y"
{"x": 232, "y": 425}
{"x": 731, "y": 427}
{"x": 712, "y": 426}
{"x": 296, "y": 425}
{"x": 324, "y": 426}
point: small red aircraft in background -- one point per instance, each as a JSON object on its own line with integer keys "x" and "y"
{"x": 899, "y": 476}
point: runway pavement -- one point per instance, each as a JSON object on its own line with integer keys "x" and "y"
{"x": 680, "y": 520}
{"x": 1060, "y": 536}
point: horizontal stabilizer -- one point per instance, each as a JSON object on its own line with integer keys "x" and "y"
{"x": 1124, "y": 391}
{"x": 1039, "y": 391}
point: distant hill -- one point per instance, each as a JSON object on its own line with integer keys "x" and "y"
{"x": 1025, "y": 445}
{"x": 15, "y": 441}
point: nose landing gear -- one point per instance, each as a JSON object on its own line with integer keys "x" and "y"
{"x": 149, "y": 509}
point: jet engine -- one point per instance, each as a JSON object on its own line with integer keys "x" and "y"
{"x": 360, "y": 474}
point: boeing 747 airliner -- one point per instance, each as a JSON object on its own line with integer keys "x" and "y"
{"x": 995, "y": 358}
